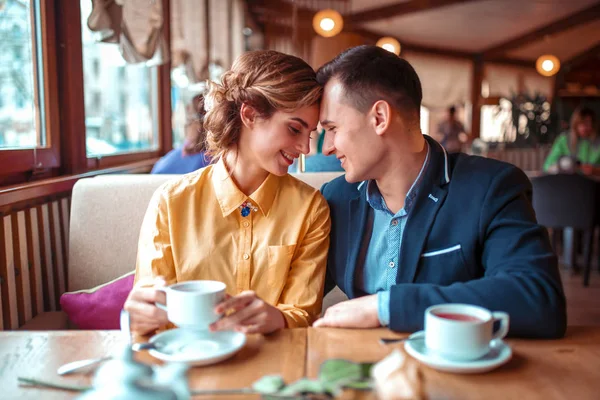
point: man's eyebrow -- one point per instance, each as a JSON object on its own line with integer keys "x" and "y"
{"x": 303, "y": 122}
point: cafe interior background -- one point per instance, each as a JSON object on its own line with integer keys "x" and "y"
{"x": 93, "y": 88}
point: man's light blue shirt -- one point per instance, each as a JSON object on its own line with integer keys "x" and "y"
{"x": 380, "y": 268}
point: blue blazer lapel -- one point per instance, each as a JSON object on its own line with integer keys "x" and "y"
{"x": 430, "y": 198}
{"x": 357, "y": 219}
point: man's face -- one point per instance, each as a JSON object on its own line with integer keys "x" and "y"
{"x": 350, "y": 134}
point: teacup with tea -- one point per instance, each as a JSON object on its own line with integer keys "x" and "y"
{"x": 190, "y": 305}
{"x": 462, "y": 332}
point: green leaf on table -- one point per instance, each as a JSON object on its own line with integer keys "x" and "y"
{"x": 268, "y": 384}
{"x": 339, "y": 372}
{"x": 366, "y": 369}
{"x": 359, "y": 385}
{"x": 303, "y": 385}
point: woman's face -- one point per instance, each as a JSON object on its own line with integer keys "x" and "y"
{"x": 276, "y": 142}
{"x": 585, "y": 128}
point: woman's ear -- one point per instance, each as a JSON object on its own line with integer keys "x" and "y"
{"x": 382, "y": 116}
{"x": 248, "y": 115}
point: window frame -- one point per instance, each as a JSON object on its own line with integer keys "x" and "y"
{"x": 39, "y": 159}
{"x": 62, "y": 61}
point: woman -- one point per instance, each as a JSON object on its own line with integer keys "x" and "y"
{"x": 191, "y": 156}
{"x": 244, "y": 221}
{"x": 579, "y": 146}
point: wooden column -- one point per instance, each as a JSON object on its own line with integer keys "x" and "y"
{"x": 70, "y": 84}
{"x": 164, "y": 88}
{"x": 476, "y": 81}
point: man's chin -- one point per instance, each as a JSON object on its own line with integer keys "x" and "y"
{"x": 351, "y": 178}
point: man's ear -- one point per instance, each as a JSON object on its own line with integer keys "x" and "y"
{"x": 248, "y": 115}
{"x": 381, "y": 114}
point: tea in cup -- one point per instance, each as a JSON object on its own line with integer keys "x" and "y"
{"x": 462, "y": 332}
{"x": 191, "y": 304}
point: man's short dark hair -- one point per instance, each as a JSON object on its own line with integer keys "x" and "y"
{"x": 369, "y": 74}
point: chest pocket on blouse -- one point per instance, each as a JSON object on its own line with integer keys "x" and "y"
{"x": 280, "y": 260}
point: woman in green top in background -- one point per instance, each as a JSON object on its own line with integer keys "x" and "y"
{"x": 580, "y": 144}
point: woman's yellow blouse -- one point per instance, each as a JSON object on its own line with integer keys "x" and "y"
{"x": 194, "y": 229}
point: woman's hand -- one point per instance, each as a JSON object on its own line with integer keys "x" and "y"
{"x": 250, "y": 314}
{"x": 144, "y": 315}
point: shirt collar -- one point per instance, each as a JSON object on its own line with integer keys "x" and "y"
{"x": 230, "y": 197}
{"x": 375, "y": 199}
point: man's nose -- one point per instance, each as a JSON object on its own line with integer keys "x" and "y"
{"x": 328, "y": 147}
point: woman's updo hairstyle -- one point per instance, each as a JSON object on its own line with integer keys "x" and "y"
{"x": 266, "y": 80}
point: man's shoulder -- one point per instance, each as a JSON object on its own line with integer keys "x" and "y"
{"x": 340, "y": 188}
{"x": 476, "y": 171}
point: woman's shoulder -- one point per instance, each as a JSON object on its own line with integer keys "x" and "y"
{"x": 292, "y": 186}
{"x": 186, "y": 183}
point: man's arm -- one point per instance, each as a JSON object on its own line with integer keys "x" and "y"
{"x": 521, "y": 272}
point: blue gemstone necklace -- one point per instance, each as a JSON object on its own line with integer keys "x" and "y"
{"x": 246, "y": 207}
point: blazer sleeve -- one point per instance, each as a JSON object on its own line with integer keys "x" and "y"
{"x": 520, "y": 269}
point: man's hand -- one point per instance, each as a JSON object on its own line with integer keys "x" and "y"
{"x": 355, "y": 313}
{"x": 251, "y": 314}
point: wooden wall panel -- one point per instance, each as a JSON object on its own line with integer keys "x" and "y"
{"x": 24, "y": 270}
{"x": 49, "y": 260}
{"x": 60, "y": 266}
{"x": 35, "y": 258}
{"x": 9, "y": 270}
{"x": 4, "y": 288}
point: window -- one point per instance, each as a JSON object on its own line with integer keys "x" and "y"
{"x": 497, "y": 122}
{"x": 124, "y": 118}
{"x": 424, "y": 120}
{"x": 20, "y": 124}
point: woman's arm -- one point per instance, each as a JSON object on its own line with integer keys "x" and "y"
{"x": 154, "y": 268}
{"x": 302, "y": 296}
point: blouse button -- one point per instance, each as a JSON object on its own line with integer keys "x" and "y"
{"x": 246, "y": 224}
{"x": 246, "y": 256}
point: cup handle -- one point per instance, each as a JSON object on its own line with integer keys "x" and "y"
{"x": 159, "y": 305}
{"x": 504, "y": 323}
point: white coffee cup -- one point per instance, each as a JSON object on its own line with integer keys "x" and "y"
{"x": 191, "y": 304}
{"x": 462, "y": 332}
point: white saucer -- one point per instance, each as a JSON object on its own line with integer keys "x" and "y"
{"x": 499, "y": 354}
{"x": 196, "y": 347}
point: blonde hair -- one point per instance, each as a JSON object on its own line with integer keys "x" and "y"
{"x": 266, "y": 80}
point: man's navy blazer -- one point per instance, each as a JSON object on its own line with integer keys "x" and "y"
{"x": 471, "y": 237}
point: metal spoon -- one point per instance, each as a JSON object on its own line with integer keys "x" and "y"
{"x": 71, "y": 367}
{"x": 397, "y": 340}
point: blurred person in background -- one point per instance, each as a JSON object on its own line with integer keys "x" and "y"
{"x": 579, "y": 148}
{"x": 192, "y": 155}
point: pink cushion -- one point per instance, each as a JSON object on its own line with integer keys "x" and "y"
{"x": 98, "y": 308}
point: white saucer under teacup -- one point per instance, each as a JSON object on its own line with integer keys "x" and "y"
{"x": 196, "y": 347}
{"x": 500, "y": 353}
{"x": 460, "y": 338}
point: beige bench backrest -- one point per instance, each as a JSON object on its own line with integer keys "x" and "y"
{"x": 106, "y": 215}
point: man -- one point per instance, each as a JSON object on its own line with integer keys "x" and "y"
{"x": 449, "y": 132}
{"x": 414, "y": 226}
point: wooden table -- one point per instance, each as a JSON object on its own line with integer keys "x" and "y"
{"x": 554, "y": 369}
{"x": 39, "y": 354}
